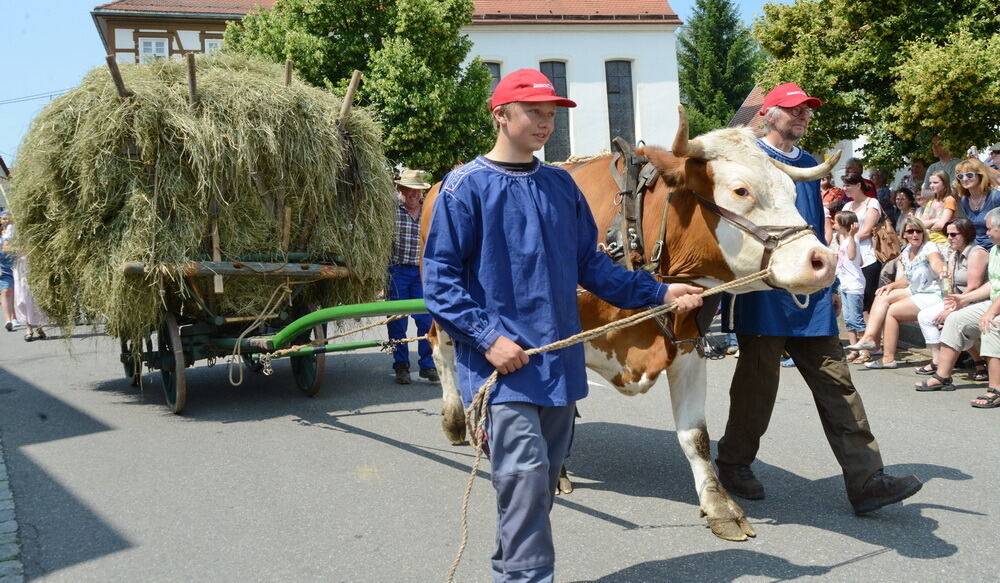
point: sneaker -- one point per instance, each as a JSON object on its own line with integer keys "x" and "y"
{"x": 431, "y": 374}
{"x": 9, "y": 326}
{"x": 882, "y": 489}
{"x": 739, "y": 480}
{"x": 878, "y": 364}
{"x": 788, "y": 362}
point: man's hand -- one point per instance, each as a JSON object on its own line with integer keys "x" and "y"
{"x": 506, "y": 355}
{"x": 686, "y": 296}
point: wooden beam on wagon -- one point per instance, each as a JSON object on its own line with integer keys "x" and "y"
{"x": 345, "y": 108}
{"x": 116, "y": 75}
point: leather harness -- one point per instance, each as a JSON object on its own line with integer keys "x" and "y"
{"x": 625, "y": 235}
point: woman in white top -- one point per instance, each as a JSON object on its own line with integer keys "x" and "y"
{"x": 965, "y": 270}
{"x": 916, "y": 287}
{"x": 869, "y": 212}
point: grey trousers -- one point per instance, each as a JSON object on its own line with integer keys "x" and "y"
{"x": 527, "y": 445}
{"x": 820, "y": 361}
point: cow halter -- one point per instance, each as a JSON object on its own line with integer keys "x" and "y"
{"x": 771, "y": 237}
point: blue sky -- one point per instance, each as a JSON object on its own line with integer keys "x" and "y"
{"x": 49, "y": 45}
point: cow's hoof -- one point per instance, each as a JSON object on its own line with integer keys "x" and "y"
{"x": 732, "y": 529}
{"x": 460, "y": 443}
{"x": 454, "y": 429}
{"x": 565, "y": 485}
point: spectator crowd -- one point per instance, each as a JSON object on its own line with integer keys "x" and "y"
{"x": 945, "y": 277}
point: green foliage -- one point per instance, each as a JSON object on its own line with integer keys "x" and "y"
{"x": 939, "y": 86}
{"x": 717, "y": 59}
{"x": 411, "y": 51}
{"x": 866, "y": 59}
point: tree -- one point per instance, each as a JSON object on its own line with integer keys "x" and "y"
{"x": 433, "y": 110}
{"x": 892, "y": 70}
{"x": 717, "y": 60}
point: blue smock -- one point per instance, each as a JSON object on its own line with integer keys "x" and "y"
{"x": 772, "y": 312}
{"x": 504, "y": 255}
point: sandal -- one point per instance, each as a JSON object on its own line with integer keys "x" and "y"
{"x": 990, "y": 400}
{"x": 928, "y": 369}
{"x": 851, "y": 355}
{"x": 29, "y": 337}
{"x": 863, "y": 357}
{"x": 945, "y": 385}
{"x": 979, "y": 373}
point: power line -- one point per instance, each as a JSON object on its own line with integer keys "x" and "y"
{"x": 23, "y": 98}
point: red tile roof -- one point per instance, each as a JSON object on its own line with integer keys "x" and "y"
{"x": 234, "y": 7}
{"x": 485, "y": 10}
{"x": 746, "y": 115}
{"x": 574, "y": 10}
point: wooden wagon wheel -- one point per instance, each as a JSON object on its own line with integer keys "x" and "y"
{"x": 308, "y": 370}
{"x": 172, "y": 364}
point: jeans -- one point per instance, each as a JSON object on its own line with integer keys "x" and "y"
{"x": 404, "y": 284}
{"x": 850, "y": 309}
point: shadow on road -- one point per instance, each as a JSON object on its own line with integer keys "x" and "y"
{"x": 352, "y": 382}
{"x": 643, "y": 462}
{"x": 717, "y": 567}
{"x": 72, "y": 533}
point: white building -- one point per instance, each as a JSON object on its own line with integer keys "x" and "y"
{"x": 616, "y": 58}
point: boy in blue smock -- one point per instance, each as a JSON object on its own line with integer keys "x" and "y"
{"x": 510, "y": 240}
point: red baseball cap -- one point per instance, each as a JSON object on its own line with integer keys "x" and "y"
{"x": 788, "y": 95}
{"x": 527, "y": 85}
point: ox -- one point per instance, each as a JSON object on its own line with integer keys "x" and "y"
{"x": 724, "y": 167}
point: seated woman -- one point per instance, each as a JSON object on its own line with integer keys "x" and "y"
{"x": 975, "y": 319}
{"x": 916, "y": 287}
{"x": 978, "y": 196}
{"x": 966, "y": 270}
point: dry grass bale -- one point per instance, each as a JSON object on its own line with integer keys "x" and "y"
{"x": 102, "y": 180}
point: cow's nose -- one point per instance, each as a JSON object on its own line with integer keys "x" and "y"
{"x": 822, "y": 265}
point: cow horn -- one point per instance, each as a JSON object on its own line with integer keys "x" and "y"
{"x": 808, "y": 174}
{"x": 682, "y": 145}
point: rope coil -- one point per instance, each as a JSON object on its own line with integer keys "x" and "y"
{"x": 477, "y": 411}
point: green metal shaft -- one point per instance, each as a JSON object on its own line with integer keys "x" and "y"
{"x": 393, "y": 308}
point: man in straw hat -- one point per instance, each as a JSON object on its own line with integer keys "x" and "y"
{"x": 510, "y": 240}
{"x": 404, "y": 276}
{"x": 768, "y": 322}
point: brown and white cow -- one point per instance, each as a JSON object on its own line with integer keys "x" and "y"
{"x": 725, "y": 167}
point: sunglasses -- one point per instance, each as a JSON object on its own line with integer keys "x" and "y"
{"x": 966, "y": 175}
{"x": 912, "y": 231}
{"x": 950, "y": 235}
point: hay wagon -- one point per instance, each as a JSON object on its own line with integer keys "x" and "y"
{"x": 206, "y": 212}
{"x": 194, "y": 329}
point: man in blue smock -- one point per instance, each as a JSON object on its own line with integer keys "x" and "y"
{"x": 767, "y": 323}
{"x": 510, "y": 240}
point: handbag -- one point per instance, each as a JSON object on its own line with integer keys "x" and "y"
{"x": 885, "y": 241}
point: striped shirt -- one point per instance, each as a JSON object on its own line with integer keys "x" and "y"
{"x": 406, "y": 247}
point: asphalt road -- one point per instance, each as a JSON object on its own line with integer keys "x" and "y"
{"x": 259, "y": 483}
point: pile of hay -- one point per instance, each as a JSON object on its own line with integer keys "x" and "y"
{"x": 102, "y": 180}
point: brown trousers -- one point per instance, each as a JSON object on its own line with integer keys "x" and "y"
{"x": 820, "y": 361}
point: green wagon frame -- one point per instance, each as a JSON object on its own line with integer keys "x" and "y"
{"x": 193, "y": 330}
